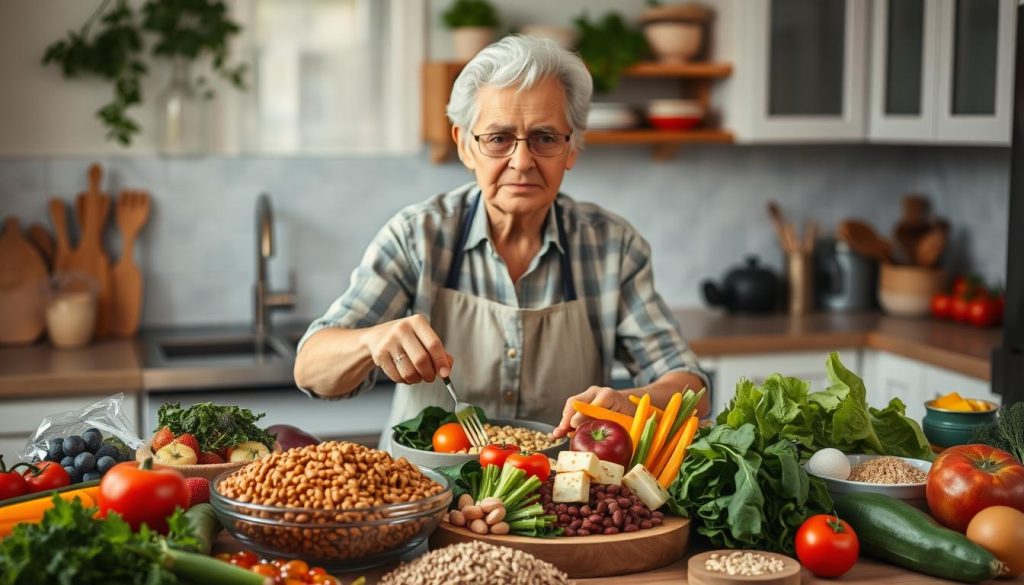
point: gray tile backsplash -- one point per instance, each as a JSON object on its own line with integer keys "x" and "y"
{"x": 702, "y": 211}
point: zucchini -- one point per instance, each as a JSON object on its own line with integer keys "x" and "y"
{"x": 48, "y": 493}
{"x": 205, "y": 525}
{"x": 894, "y": 531}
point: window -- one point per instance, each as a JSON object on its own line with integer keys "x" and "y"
{"x": 331, "y": 76}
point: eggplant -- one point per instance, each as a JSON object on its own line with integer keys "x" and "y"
{"x": 290, "y": 437}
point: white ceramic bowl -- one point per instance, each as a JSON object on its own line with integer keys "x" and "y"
{"x": 912, "y": 493}
{"x": 433, "y": 459}
{"x": 674, "y": 42}
{"x": 674, "y": 107}
{"x": 610, "y": 116}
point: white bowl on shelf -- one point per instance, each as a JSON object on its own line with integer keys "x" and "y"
{"x": 611, "y": 116}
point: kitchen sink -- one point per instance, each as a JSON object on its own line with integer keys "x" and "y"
{"x": 218, "y": 349}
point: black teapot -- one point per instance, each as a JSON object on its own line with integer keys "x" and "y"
{"x": 747, "y": 289}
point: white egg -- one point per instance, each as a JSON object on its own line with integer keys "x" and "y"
{"x": 831, "y": 463}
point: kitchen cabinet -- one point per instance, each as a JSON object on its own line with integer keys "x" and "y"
{"x": 888, "y": 376}
{"x": 696, "y": 81}
{"x": 727, "y": 370}
{"x": 800, "y": 69}
{"x": 941, "y": 71}
{"x": 19, "y": 418}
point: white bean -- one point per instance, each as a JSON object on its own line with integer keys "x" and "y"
{"x": 465, "y": 500}
{"x": 496, "y": 515}
{"x": 472, "y": 512}
{"x": 500, "y": 528}
{"x": 479, "y": 526}
{"x": 489, "y": 504}
{"x": 456, "y": 518}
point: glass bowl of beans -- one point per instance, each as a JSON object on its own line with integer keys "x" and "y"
{"x": 527, "y": 434}
{"x": 337, "y": 505}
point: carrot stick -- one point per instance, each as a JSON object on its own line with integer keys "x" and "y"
{"x": 33, "y": 510}
{"x": 668, "y": 475}
{"x": 601, "y": 413}
{"x": 657, "y": 411}
{"x": 639, "y": 420}
{"x": 666, "y": 453}
{"x": 661, "y": 434}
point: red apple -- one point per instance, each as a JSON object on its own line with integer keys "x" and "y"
{"x": 604, "y": 438}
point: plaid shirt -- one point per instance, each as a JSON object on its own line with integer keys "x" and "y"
{"x": 611, "y": 266}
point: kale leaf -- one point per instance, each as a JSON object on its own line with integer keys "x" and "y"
{"x": 215, "y": 426}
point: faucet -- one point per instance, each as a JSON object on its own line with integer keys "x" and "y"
{"x": 264, "y": 299}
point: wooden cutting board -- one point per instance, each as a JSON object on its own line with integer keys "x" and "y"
{"x": 697, "y": 572}
{"x": 131, "y": 214}
{"x": 589, "y": 556}
{"x": 89, "y": 257}
{"x": 22, "y": 287}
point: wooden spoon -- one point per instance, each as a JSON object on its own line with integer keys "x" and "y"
{"x": 931, "y": 246}
{"x": 784, "y": 231}
{"x": 89, "y": 257}
{"x": 62, "y": 251}
{"x": 131, "y": 214}
{"x": 864, "y": 240}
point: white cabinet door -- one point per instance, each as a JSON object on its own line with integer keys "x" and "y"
{"x": 904, "y": 71}
{"x": 889, "y": 376}
{"x": 801, "y": 70}
{"x": 939, "y": 381}
{"x": 729, "y": 370}
{"x": 976, "y": 60}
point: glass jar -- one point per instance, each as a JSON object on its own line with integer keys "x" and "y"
{"x": 182, "y": 112}
{"x": 71, "y": 309}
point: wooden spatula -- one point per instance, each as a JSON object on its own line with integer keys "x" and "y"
{"x": 131, "y": 214}
{"x": 89, "y": 256}
{"x": 62, "y": 251}
{"x": 39, "y": 237}
{"x": 22, "y": 285}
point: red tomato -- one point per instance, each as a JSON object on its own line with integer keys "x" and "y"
{"x": 984, "y": 312}
{"x": 45, "y": 476}
{"x": 12, "y": 483}
{"x": 143, "y": 495}
{"x": 966, "y": 479}
{"x": 497, "y": 454}
{"x": 941, "y": 305}
{"x": 958, "y": 308}
{"x": 535, "y": 464}
{"x": 964, "y": 286}
{"x": 449, "y": 438}
{"x": 826, "y": 545}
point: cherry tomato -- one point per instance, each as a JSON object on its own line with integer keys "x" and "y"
{"x": 265, "y": 570}
{"x": 449, "y": 438}
{"x": 958, "y": 310}
{"x": 141, "y": 494}
{"x": 496, "y": 454}
{"x": 983, "y": 312}
{"x": 826, "y": 545}
{"x": 12, "y": 483}
{"x": 965, "y": 286}
{"x": 535, "y": 464}
{"x": 246, "y": 558}
{"x": 941, "y": 305}
{"x": 45, "y": 476}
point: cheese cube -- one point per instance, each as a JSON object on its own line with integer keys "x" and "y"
{"x": 571, "y": 486}
{"x": 609, "y": 473}
{"x": 578, "y": 461}
{"x": 645, "y": 487}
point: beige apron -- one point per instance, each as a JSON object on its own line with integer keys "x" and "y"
{"x": 513, "y": 363}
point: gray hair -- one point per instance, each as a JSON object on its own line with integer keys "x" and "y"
{"x": 523, "y": 61}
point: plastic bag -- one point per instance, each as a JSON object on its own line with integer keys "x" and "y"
{"x": 110, "y": 416}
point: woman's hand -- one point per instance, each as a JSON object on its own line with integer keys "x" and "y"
{"x": 408, "y": 350}
{"x": 598, "y": 396}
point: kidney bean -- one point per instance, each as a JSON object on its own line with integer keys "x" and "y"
{"x": 582, "y": 532}
{"x": 569, "y": 532}
{"x": 602, "y": 507}
{"x": 573, "y": 511}
{"x": 657, "y": 514}
{"x": 611, "y": 530}
{"x": 575, "y": 524}
{"x": 624, "y": 502}
{"x": 614, "y": 489}
{"x": 617, "y": 517}
{"x": 613, "y": 507}
{"x": 599, "y": 495}
{"x": 585, "y": 510}
{"x": 645, "y": 524}
{"x": 657, "y": 521}
{"x": 631, "y": 528}
{"x": 564, "y": 518}
{"x": 625, "y": 492}
{"x": 595, "y": 518}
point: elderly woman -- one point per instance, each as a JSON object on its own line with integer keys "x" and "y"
{"x": 523, "y": 295}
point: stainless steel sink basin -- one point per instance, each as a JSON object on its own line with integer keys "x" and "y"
{"x": 218, "y": 349}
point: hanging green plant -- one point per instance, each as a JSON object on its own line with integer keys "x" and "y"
{"x": 180, "y": 29}
{"x": 608, "y": 47}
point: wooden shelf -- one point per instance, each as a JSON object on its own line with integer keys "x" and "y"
{"x": 703, "y": 70}
{"x": 654, "y": 136}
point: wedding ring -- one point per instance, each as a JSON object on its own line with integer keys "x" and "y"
{"x": 398, "y": 358}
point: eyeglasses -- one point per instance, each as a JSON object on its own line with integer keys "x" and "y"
{"x": 502, "y": 144}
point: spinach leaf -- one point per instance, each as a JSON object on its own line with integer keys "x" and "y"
{"x": 418, "y": 432}
{"x": 464, "y": 477}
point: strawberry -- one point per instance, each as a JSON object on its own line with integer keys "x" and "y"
{"x": 198, "y": 490}
{"x": 209, "y": 457}
{"x": 189, "y": 441}
{"x": 162, "y": 438}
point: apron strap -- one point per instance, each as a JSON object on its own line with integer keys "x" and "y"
{"x": 455, "y": 270}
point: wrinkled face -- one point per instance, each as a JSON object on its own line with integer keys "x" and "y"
{"x": 521, "y": 183}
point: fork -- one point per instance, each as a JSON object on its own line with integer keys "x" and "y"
{"x": 466, "y": 415}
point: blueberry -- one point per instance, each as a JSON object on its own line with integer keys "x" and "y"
{"x": 76, "y": 476}
{"x": 93, "y": 439}
{"x": 103, "y": 464}
{"x": 85, "y": 461}
{"x": 73, "y": 445}
{"x": 68, "y": 461}
{"x": 107, "y": 451}
{"x": 55, "y": 449}
{"x": 91, "y": 476}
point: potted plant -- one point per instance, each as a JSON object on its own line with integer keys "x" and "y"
{"x": 608, "y": 47}
{"x": 473, "y": 24}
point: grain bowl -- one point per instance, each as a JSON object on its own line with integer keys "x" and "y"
{"x": 911, "y": 492}
{"x": 338, "y": 505}
{"x": 528, "y": 435}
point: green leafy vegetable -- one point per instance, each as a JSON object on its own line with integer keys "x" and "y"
{"x": 69, "y": 546}
{"x": 464, "y": 477}
{"x": 1007, "y": 433}
{"x": 470, "y": 13}
{"x": 418, "y": 432}
{"x": 839, "y": 416}
{"x": 608, "y": 46}
{"x": 215, "y": 426}
{"x": 745, "y": 496}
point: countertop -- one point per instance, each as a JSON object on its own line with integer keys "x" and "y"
{"x": 122, "y": 366}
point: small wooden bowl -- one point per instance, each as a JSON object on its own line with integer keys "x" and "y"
{"x": 208, "y": 471}
{"x": 697, "y": 574}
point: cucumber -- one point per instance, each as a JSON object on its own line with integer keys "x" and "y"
{"x": 895, "y": 531}
{"x": 205, "y": 525}
{"x": 48, "y": 493}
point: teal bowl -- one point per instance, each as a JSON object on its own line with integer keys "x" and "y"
{"x": 948, "y": 428}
